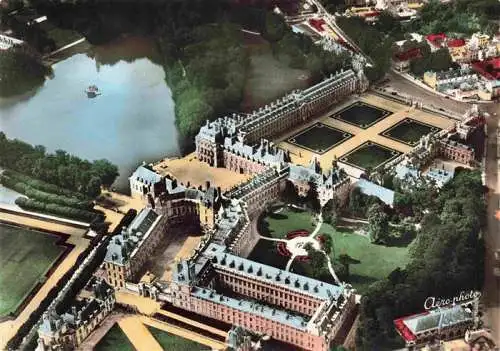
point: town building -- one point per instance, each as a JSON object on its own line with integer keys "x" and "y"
{"x": 67, "y": 331}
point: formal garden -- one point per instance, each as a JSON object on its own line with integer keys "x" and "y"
{"x": 319, "y": 138}
{"x": 369, "y": 155}
{"x": 292, "y": 240}
{"x": 409, "y": 131}
{"x": 26, "y": 256}
{"x": 361, "y": 115}
{"x": 115, "y": 340}
{"x": 173, "y": 342}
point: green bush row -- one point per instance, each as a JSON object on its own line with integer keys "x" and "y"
{"x": 41, "y": 185}
{"x": 45, "y": 197}
{"x": 55, "y": 209}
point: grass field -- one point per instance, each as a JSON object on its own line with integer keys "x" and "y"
{"x": 361, "y": 114}
{"x": 319, "y": 138}
{"x": 114, "y": 340}
{"x": 265, "y": 252}
{"x": 277, "y": 225}
{"x": 376, "y": 261}
{"x": 268, "y": 78}
{"x": 25, "y": 257}
{"x": 174, "y": 342}
{"x": 409, "y": 131}
{"x": 369, "y": 155}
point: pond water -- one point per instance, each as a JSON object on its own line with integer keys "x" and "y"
{"x": 132, "y": 121}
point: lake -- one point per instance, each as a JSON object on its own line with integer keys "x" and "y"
{"x": 132, "y": 121}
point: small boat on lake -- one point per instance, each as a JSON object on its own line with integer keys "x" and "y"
{"x": 92, "y": 91}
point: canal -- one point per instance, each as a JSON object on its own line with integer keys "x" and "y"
{"x": 132, "y": 121}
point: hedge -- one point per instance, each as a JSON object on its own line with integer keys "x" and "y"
{"x": 42, "y": 196}
{"x": 41, "y": 185}
{"x": 55, "y": 209}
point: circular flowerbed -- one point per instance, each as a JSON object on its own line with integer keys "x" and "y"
{"x": 282, "y": 246}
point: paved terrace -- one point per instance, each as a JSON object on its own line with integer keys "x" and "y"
{"x": 190, "y": 169}
{"x": 9, "y": 328}
{"x": 399, "y": 112}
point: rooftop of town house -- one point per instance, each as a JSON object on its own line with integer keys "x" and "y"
{"x": 453, "y": 73}
{"x": 455, "y": 43}
{"x": 146, "y": 175}
{"x": 439, "y": 318}
{"x": 370, "y": 188}
{"x": 489, "y": 69}
{"x": 436, "y": 39}
{"x": 122, "y": 246}
{"x": 282, "y": 316}
{"x": 301, "y": 284}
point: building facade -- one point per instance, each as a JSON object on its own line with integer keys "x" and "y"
{"x": 239, "y": 142}
{"x": 67, "y": 331}
{"x": 300, "y": 311}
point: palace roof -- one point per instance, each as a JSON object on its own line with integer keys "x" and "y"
{"x": 255, "y": 270}
{"x": 146, "y": 175}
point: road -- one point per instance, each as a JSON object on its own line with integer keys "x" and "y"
{"x": 491, "y": 289}
{"x": 405, "y": 87}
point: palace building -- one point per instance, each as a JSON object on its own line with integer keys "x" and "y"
{"x": 67, "y": 331}
{"x": 239, "y": 142}
{"x": 301, "y": 311}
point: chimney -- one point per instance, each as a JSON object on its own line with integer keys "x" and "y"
{"x": 207, "y": 184}
{"x": 219, "y": 192}
{"x": 73, "y": 310}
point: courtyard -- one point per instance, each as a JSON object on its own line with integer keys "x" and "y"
{"x": 367, "y": 118}
{"x": 361, "y": 114}
{"x": 409, "y": 131}
{"x": 26, "y": 257}
{"x": 281, "y": 229}
{"x": 369, "y": 155}
{"x": 319, "y": 138}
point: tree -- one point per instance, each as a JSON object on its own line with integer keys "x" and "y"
{"x": 345, "y": 260}
{"x": 93, "y": 187}
{"x": 312, "y": 197}
{"x": 275, "y": 27}
{"x": 331, "y": 211}
{"x": 317, "y": 260}
{"x": 378, "y": 224}
{"x": 106, "y": 171}
{"x": 21, "y": 69}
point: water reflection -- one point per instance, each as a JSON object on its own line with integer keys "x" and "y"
{"x": 132, "y": 121}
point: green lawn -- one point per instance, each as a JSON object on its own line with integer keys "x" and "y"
{"x": 277, "y": 225}
{"x": 173, "y": 342}
{"x": 376, "y": 261}
{"x": 409, "y": 131}
{"x": 25, "y": 256}
{"x": 265, "y": 252}
{"x": 114, "y": 340}
{"x": 370, "y": 155}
